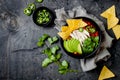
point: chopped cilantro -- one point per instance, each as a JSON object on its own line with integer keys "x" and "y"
{"x": 52, "y": 40}
{"x": 58, "y": 56}
{"x": 47, "y": 51}
{"x": 46, "y": 62}
{"x": 54, "y": 49}
{"x": 53, "y": 58}
{"x": 52, "y": 54}
{"x": 39, "y": 44}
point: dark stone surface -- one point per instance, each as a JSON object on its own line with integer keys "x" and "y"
{"x": 19, "y": 60}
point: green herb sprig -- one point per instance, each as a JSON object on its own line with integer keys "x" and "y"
{"x": 53, "y": 56}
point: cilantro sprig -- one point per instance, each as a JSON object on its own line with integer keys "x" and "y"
{"x": 53, "y": 54}
{"x": 52, "y": 39}
{"x": 42, "y": 39}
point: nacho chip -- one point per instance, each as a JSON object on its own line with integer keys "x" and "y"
{"x": 73, "y": 24}
{"x": 64, "y": 28}
{"x": 70, "y": 22}
{"x": 82, "y": 24}
{"x": 64, "y": 35}
{"x": 112, "y": 21}
{"x": 109, "y": 12}
{"x": 76, "y": 23}
{"x": 105, "y": 74}
{"x": 116, "y": 31}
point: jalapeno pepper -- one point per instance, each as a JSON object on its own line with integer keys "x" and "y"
{"x": 40, "y": 1}
{"x": 32, "y": 6}
{"x": 27, "y": 11}
{"x": 43, "y": 16}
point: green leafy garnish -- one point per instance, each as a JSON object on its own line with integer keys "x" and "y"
{"x": 53, "y": 58}
{"x": 58, "y": 56}
{"x": 54, "y": 49}
{"x": 87, "y": 41}
{"x": 52, "y": 40}
{"x": 42, "y": 39}
{"x": 46, "y": 62}
{"x": 65, "y": 64}
{"x": 90, "y": 44}
{"x": 96, "y": 39}
{"x": 92, "y": 30}
{"x": 63, "y": 68}
{"x": 52, "y": 55}
{"x": 47, "y": 51}
{"x": 39, "y": 44}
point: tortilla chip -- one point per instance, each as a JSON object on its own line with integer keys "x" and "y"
{"x": 64, "y": 35}
{"x": 105, "y": 74}
{"x": 109, "y": 12}
{"x": 112, "y": 21}
{"x": 64, "y": 28}
{"x": 73, "y": 24}
{"x": 116, "y": 31}
{"x": 70, "y": 22}
{"x": 82, "y": 24}
{"x": 76, "y": 23}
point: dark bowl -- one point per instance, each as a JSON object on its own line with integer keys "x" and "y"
{"x": 83, "y": 56}
{"x": 52, "y": 17}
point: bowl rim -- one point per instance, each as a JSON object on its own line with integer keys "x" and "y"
{"x": 52, "y": 16}
{"x": 84, "y": 56}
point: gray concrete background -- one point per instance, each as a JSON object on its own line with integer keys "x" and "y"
{"x": 19, "y": 60}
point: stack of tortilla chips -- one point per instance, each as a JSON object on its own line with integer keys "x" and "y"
{"x": 112, "y": 20}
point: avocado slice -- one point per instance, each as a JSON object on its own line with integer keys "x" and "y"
{"x": 79, "y": 49}
{"x": 66, "y": 46}
{"x": 76, "y": 46}
{"x": 73, "y": 45}
{"x": 70, "y": 45}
